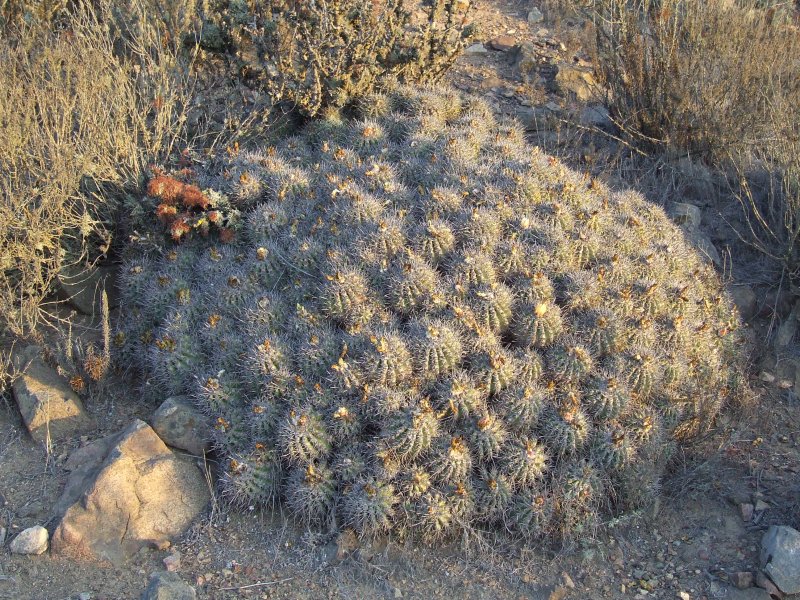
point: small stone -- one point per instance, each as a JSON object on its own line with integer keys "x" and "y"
{"x": 2, "y": 535}
{"x": 685, "y": 214}
{"x": 596, "y": 115}
{"x": 476, "y": 49}
{"x": 761, "y": 505}
{"x": 180, "y": 425}
{"x": 746, "y": 510}
{"x": 32, "y": 540}
{"x": 398, "y": 593}
{"x": 568, "y": 580}
{"x": 168, "y": 586}
{"x": 766, "y": 377}
{"x": 578, "y": 81}
{"x": 173, "y": 562}
{"x": 535, "y": 16}
{"x": 742, "y": 579}
{"x": 684, "y": 596}
{"x": 503, "y": 43}
{"x": 745, "y": 300}
{"x": 705, "y": 247}
{"x": 780, "y": 558}
{"x": 765, "y": 583}
{"x": 85, "y": 596}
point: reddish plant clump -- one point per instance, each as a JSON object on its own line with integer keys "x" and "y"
{"x": 172, "y": 191}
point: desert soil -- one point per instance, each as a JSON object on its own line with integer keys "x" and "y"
{"x": 693, "y": 543}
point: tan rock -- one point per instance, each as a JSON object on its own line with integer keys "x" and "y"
{"x": 577, "y": 80}
{"x": 140, "y": 493}
{"x": 52, "y": 411}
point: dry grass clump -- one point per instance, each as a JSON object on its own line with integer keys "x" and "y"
{"x": 719, "y": 81}
{"x": 83, "y": 113}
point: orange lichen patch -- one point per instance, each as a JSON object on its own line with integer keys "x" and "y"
{"x": 194, "y": 198}
{"x": 179, "y": 228}
{"x": 166, "y": 188}
{"x": 173, "y": 192}
{"x": 166, "y": 213}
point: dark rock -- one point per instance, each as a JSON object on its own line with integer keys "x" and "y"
{"x": 686, "y": 215}
{"x": 52, "y": 411}
{"x": 745, "y": 300}
{"x": 83, "y": 288}
{"x": 140, "y": 492}
{"x": 577, "y": 80}
{"x": 526, "y": 62}
{"x": 535, "y": 16}
{"x": 168, "y": 586}
{"x": 743, "y": 579}
{"x": 503, "y": 43}
{"x": 182, "y": 426}
{"x": 780, "y": 557}
{"x": 596, "y": 115}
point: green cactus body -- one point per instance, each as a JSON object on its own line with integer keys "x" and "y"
{"x": 412, "y": 305}
{"x": 492, "y": 306}
{"x": 525, "y": 462}
{"x": 412, "y": 285}
{"x": 493, "y": 495}
{"x": 611, "y": 447}
{"x": 564, "y": 426}
{"x": 345, "y": 298}
{"x": 411, "y": 433}
{"x": 520, "y": 406}
{"x": 487, "y": 436}
{"x": 462, "y": 396}
{"x": 605, "y": 398}
{"x": 433, "y": 516}
{"x": 434, "y": 241}
{"x": 436, "y": 348}
{"x": 369, "y": 507}
{"x": 531, "y": 513}
{"x": 303, "y": 437}
{"x": 252, "y": 479}
{"x": 538, "y": 326}
{"x": 570, "y": 362}
{"x": 386, "y": 360}
{"x": 451, "y": 461}
{"x": 311, "y": 492}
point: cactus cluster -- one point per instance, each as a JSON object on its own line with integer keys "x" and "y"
{"x": 424, "y": 324}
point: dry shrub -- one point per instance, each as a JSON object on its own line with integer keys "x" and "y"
{"x": 83, "y": 113}
{"x": 694, "y": 76}
{"x": 719, "y": 81}
{"x": 323, "y": 53}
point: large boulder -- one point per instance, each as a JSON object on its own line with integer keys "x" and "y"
{"x": 139, "y": 494}
{"x": 51, "y": 410}
{"x": 780, "y": 557}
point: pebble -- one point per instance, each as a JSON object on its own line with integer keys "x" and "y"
{"x": 398, "y": 593}
{"x": 742, "y": 579}
{"x": 503, "y": 43}
{"x": 746, "y": 509}
{"x": 85, "y": 596}
{"x": 173, "y": 562}
{"x": 761, "y": 505}
{"x": 32, "y": 540}
{"x": 684, "y": 596}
